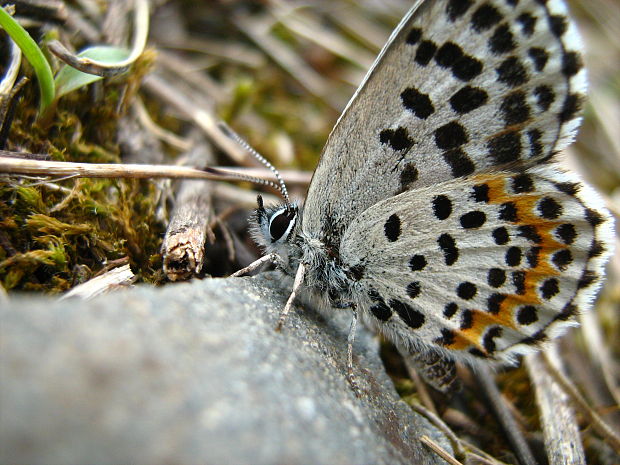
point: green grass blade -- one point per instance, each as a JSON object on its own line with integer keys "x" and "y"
{"x": 69, "y": 78}
{"x": 35, "y": 57}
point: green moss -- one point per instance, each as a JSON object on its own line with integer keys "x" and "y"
{"x": 52, "y": 233}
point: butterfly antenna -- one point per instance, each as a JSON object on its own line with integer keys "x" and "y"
{"x": 237, "y": 138}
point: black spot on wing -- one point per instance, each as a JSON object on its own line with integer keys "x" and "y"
{"x": 457, "y": 8}
{"x": 414, "y": 36}
{"x": 505, "y": 148}
{"x": 518, "y": 279}
{"x": 508, "y": 212}
{"x": 425, "y": 52}
{"x": 417, "y": 263}
{"x": 571, "y": 64}
{"x": 588, "y": 278}
{"x": 450, "y": 136}
{"x": 448, "y": 54}
{"x": 597, "y": 248}
{"x": 468, "y": 99}
{"x": 514, "y": 108}
{"x": 593, "y": 217}
{"x": 472, "y": 220}
{"x": 467, "y": 320}
{"x": 413, "y": 289}
{"x": 572, "y": 106}
{"x": 562, "y": 259}
{"x": 442, "y": 207}
{"x": 512, "y": 72}
{"x": 480, "y": 193}
{"x": 502, "y": 40}
{"x": 528, "y": 23}
{"x": 447, "y": 244}
{"x": 488, "y": 339}
{"x": 494, "y": 302}
{"x": 417, "y": 102}
{"x": 450, "y": 310}
{"x": 522, "y": 183}
{"x": 566, "y": 233}
{"x": 412, "y": 318}
{"x": 398, "y": 138}
{"x": 569, "y": 188}
{"x": 536, "y": 148}
{"x": 550, "y": 288}
{"x": 447, "y": 337}
{"x": 380, "y": 310}
{"x": 527, "y": 315}
{"x": 549, "y": 208}
{"x": 544, "y": 97}
{"x": 485, "y": 17}
{"x": 460, "y": 164}
{"x": 467, "y": 68}
{"x": 501, "y": 236}
{"x": 539, "y": 56}
{"x": 391, "y": 228}
{"x": 558, "y": 25}
{"x": 464, "y": 67}
{"x": 532, "y": 256}
{"x": 513, "y": 256}
{"x": 466, "y": 290}
{"x": 408, "y": 176}
{"x": 530, "y": 233}
{"x": 496, "y": 277}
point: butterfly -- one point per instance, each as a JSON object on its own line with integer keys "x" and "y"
{"x": 440, "y": 213}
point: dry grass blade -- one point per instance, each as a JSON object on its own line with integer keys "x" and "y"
{"x": 507, "y": 422}
{"x": 439, "y": 423}
{"x": 440, "y": 451}
{"x": 257, "y": 29}
{"x": 11, "y": 71}
{"x": 7, "y": 109}
{"x": 204, "y": 118}
{"x": 311, "y": 29}
{"x": 420, "y": 385}
{"x": 100, "y": 68}
{"x": 16, "y": 166}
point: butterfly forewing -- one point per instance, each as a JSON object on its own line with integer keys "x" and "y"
{"x": 483, "y": 267}
{"x": 462, "y": 87}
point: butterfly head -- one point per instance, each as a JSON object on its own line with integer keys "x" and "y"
{"x": 275, "y": 226}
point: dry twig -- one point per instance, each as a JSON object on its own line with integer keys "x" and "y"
{"x": 582, "y": 406}
{"x": 184, "y": 243}
{"x": 560, "y": 429}
{"x": 112, "y": 280}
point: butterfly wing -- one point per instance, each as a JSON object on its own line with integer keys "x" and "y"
{"x": 485, "y": 266}
{"x": 461, "y": 87}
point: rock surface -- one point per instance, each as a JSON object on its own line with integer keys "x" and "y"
{"x": 195, "y": 373}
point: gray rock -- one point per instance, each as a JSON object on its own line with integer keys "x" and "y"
{"x": 194, "y": 373}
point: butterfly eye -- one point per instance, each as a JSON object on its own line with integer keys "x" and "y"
{"x": 281, "y": 223}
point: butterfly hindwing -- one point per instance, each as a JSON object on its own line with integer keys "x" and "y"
{"x": 462, "y": 87}
{"x": 485, "y": 266}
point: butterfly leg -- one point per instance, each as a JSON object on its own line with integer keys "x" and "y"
{"x": 350, "y": 340}
{"x": 269, "y": 258}
{"x": 299, "y": 279}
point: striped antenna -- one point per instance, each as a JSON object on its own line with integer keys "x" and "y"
{"x": 237, "y": 138}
